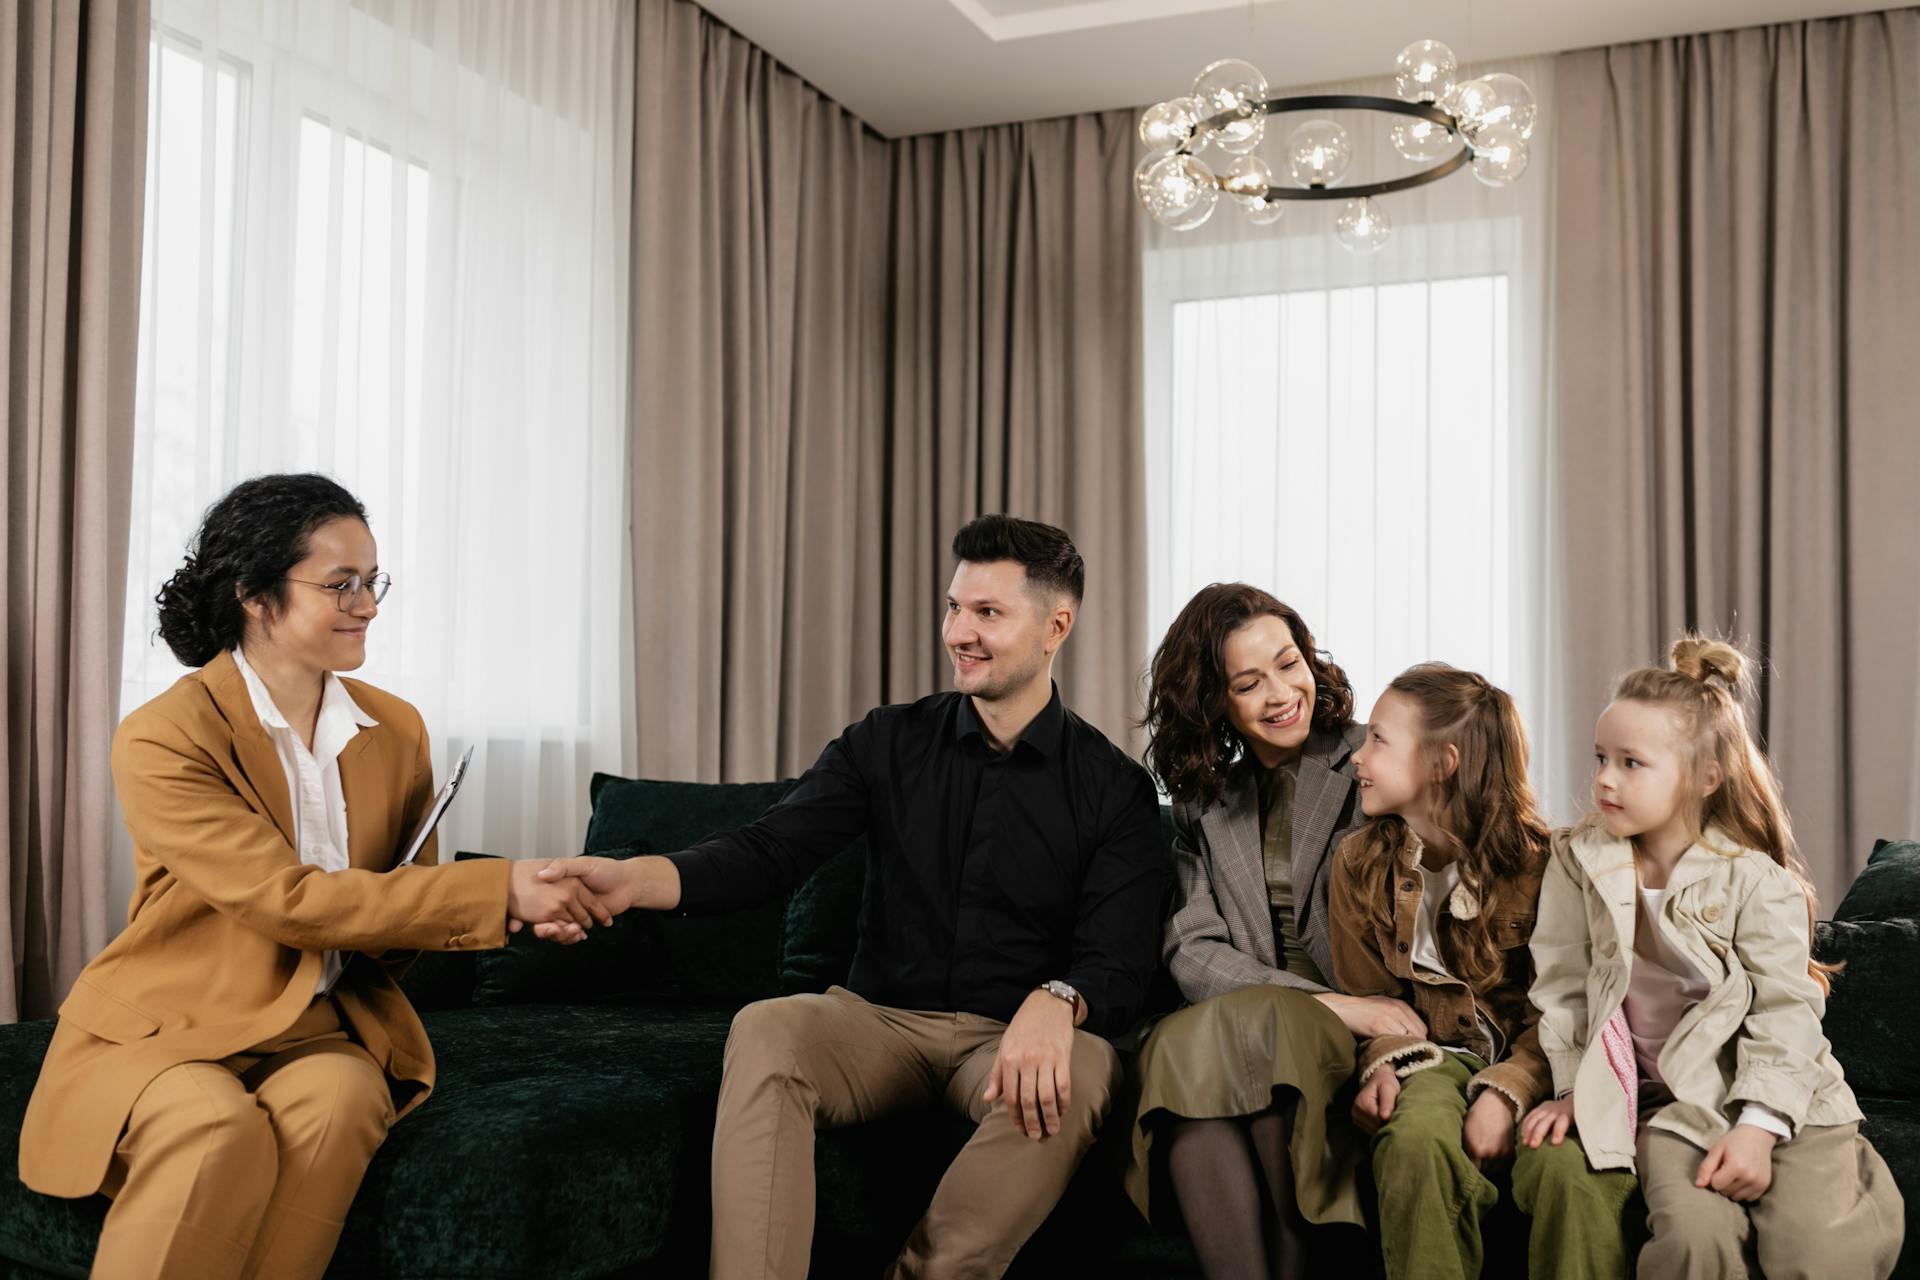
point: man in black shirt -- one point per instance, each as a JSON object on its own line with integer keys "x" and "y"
{"x": 1013, "y": 895}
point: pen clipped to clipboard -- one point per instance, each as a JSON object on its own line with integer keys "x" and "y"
{"x": 440, "y": 803}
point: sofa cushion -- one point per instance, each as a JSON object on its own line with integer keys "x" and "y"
{"x": 1867, "y": 1017}
{"x": 555, "y": 1144}
{"x": 823, "y": 924}
{"x": 52, "y": 1235}
{"x": 1888, "y": 888}
{"x": 735, "y": 957}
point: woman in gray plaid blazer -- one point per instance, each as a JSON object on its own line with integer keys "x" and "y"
{"x": 1250, "y": 731}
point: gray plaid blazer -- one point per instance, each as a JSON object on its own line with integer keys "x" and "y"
{"x": 1219, "y": 934}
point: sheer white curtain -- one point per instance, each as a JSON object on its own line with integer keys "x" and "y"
{"x": 387, "y": 241}
{"x": 1364, "y": 436}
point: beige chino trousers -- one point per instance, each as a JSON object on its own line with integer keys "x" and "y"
{"x": 801, "y": 1063}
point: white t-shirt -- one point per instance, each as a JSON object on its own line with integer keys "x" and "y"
{"x": 313, "y": 778}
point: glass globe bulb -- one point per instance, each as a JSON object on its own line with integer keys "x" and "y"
{"x": 1362, "y": 226}
{"x": 1422, "y": 139}
{"x": 1179, "y": 191}
{"x": 1247, "y": 180}
{"x": 1318, "y": 153}
{"x": 1264, "y": 213}
{"x": 1494, "y": 99}
{"x": 1168, "y": 124}
{"x": 1425, "y": 71}
{"x": 1499, "y": 155}
{"x": 1143, "y": 177}
{"x": 1232, "y": 87}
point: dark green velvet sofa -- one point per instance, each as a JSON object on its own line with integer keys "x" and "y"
{"x": 569, "y": 1134}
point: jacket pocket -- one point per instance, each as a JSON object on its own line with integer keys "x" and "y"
{"x": 105, "y": 1016}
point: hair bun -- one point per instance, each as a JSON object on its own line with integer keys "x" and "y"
{"x": 1698, "y": 658}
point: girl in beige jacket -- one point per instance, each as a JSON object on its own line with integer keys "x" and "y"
{"x": 1680, "y": 1006}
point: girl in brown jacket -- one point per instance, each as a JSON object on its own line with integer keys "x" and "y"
{"x": 1433, "y": 903}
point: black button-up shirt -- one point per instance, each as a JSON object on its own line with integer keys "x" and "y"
{"x": 987, "y": 874}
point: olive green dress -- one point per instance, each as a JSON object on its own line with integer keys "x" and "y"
{"x": 1226, "y": 1056}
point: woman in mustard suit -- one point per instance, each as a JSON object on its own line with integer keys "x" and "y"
{"x": 228, "y": 1065}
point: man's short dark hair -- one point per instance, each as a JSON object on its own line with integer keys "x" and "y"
{"x": 1052, "y": 562}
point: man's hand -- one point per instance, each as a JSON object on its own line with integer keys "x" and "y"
{"x": 1369, "y": 1016}
{"x": 1548, "y": 1122}
{"x": 561, "y": 910}
{"x": 616, "y": 885}
{"x": 1033, "y": 1067}
{"x": 1373, "y": 1105}
{"x": 1487, "y": 1132}
{"x": 1740, "y": 1165}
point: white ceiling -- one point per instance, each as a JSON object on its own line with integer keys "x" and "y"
{"x": 916, "y": 66}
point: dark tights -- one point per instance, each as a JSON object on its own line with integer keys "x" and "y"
{"x": 1235, "y": 1187}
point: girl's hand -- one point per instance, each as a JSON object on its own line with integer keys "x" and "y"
{"x": 1368, "y": 1016}
{"x": 1548, "y": 1122}
{"x": 1373, "y": 1106}
{"x": 1487, "y": 1132}
{"x": 1740, "y": 1165}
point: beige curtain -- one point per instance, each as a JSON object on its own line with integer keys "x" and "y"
{"x": 844, "y": 348}
{"x": 73, "y": 109}
{"x": 1738, "y": 322}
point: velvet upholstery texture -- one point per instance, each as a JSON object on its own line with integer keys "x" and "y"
{"x": 1888, "y": 887}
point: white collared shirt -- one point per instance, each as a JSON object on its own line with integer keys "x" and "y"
{"x": 313, "y": 778}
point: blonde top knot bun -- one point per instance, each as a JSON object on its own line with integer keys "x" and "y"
{"x": 1698, "y": 658}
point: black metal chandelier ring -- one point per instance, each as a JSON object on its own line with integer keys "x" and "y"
{"x": 1357, "y": 102}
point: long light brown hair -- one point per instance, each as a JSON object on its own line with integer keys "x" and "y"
{"x": 1702, "y": 686}
{"x": 1485, "y": 805}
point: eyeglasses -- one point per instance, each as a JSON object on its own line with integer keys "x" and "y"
{"x": 346, "y": 595}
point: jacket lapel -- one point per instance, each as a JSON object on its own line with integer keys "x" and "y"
{"x": 1233, "y": 837}
{"x": 1318, "y": 797}
{"x": 365, "y": 779}
{"x": 1608, "y": 864}
{"x": 253, "y": 749}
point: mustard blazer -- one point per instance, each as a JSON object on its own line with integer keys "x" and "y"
{"x": 227, "y": 927}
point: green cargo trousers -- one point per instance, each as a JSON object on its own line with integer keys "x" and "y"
{"x": 1433, "y": 1197}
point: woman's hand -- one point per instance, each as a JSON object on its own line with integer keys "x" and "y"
{"x": 567, "y": 906}
{"x": 1548, "y": 1122}
{"x": 1487, "y": 1132}
{"x": 1368, "y": 1016}
{"x": 1373, "y": 1105}
{"x": 1740, "y": 1165}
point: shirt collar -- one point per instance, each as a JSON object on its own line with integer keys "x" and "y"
{"x": 336, "y": 704}
{"x": 1043, "y": 734}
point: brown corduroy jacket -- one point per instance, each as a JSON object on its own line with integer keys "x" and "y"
{"x": 1373, "y": 956}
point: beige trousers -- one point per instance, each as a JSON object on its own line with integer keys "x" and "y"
{"x": 809, "y": 1062}
{"x": 1832, "y": 1212}
{"x": 245, "y": 1167}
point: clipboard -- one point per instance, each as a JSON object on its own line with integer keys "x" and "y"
{"x": 434, "y": 814}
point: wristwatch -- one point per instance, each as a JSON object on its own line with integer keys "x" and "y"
{"x": 1060, "y": 990}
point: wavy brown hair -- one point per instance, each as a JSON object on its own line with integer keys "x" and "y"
{"x": 1702, "y": 685}
{"x": 1485, "y": 805}
{"x": 1191, "y": 745}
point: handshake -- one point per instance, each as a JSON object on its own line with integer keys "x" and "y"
{"x": 562, "y": 898}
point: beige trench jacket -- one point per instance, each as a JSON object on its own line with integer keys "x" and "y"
{"x": 1755, "y": 1037}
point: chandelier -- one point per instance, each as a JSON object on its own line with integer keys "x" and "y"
{"x": 1440, "y": 121}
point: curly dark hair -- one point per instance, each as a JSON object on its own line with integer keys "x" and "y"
{"x": 1191, "y": 746}
{"x": 246, "y": 543}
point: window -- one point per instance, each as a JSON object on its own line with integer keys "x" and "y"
{"x": 1348, "y": 448}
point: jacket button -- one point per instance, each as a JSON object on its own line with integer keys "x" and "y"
{"x": 1711, "y": 912}
{"x": 1406, "y": 886}
{"x": 1403, "y": 948}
